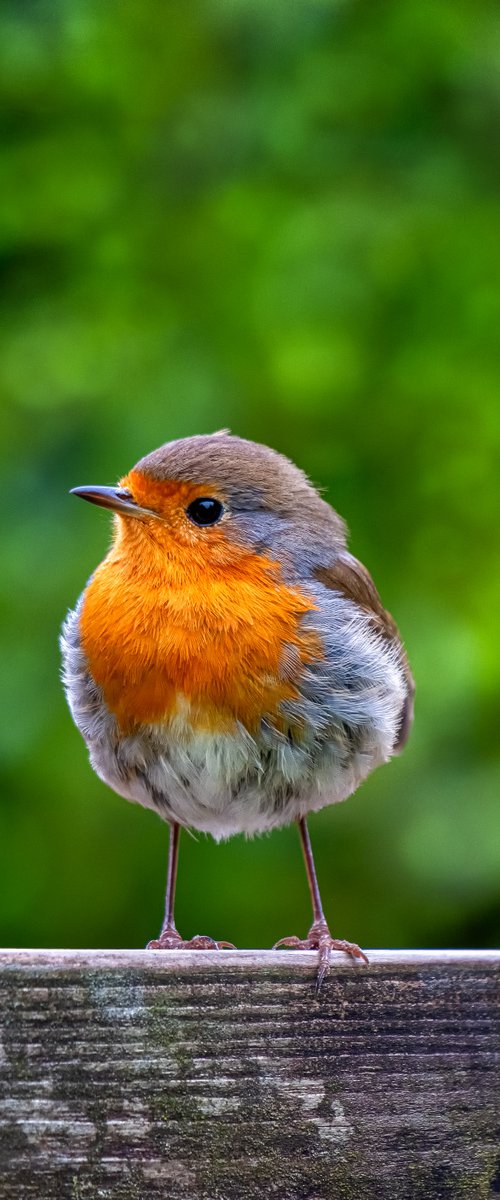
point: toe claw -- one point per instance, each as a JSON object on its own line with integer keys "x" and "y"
{"x": 171, "y": 940}
{"x": 348, "y": 948}
{"x": 319, "y": 938}
{"x": 202, "y": 942}
{"x": 323, "y": 964}
{"x": 292, "y": 941}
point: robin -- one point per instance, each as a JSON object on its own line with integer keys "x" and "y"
{"x": 230, "y": 664}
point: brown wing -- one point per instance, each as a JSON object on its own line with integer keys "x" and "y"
{"x": 349, "y": 577}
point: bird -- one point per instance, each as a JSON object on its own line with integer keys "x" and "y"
{"x": 230, "y": 664}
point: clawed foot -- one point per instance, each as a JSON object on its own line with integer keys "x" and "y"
{"x": 320, "y": 938}
{"x": 169, "y": 939}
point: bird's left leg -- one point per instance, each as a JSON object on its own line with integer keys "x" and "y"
{"x": 319, "y": 936}
{"x": 169, "y": 938}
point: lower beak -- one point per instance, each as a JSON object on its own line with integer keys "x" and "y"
{"x": 118, "y": 499}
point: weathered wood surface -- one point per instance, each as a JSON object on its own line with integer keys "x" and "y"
{"x": 219, "y": 1076}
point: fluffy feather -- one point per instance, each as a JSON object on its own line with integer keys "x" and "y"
{"x": 239, "y": 676}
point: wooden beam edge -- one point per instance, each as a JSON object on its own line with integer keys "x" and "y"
{"x": 194, "y": 961}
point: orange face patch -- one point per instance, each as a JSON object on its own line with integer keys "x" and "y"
{"x": 178, "y": 614}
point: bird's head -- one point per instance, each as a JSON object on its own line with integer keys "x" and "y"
{"x": 218, "y": 495}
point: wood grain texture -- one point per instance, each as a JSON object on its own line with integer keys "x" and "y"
{"x": 219, "y": 1076}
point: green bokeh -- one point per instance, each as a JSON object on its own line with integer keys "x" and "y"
{"x": 282, "y": 218}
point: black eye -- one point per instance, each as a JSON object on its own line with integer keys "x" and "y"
{"x": 204, "y": 511}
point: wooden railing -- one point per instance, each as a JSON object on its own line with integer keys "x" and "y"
{"x": 207, "y": 1075}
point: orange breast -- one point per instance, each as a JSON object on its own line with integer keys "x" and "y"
{"x": 165, "y": 633}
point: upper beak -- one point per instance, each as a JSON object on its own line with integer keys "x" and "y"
{"x": 118, "y": 499}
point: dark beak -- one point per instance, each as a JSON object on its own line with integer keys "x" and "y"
{"x": 118, "y": 499}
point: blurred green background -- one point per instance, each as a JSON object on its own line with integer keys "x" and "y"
{"x": 282, "y": 218}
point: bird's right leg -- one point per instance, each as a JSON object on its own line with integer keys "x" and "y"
{"x": 169, "y": 938}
